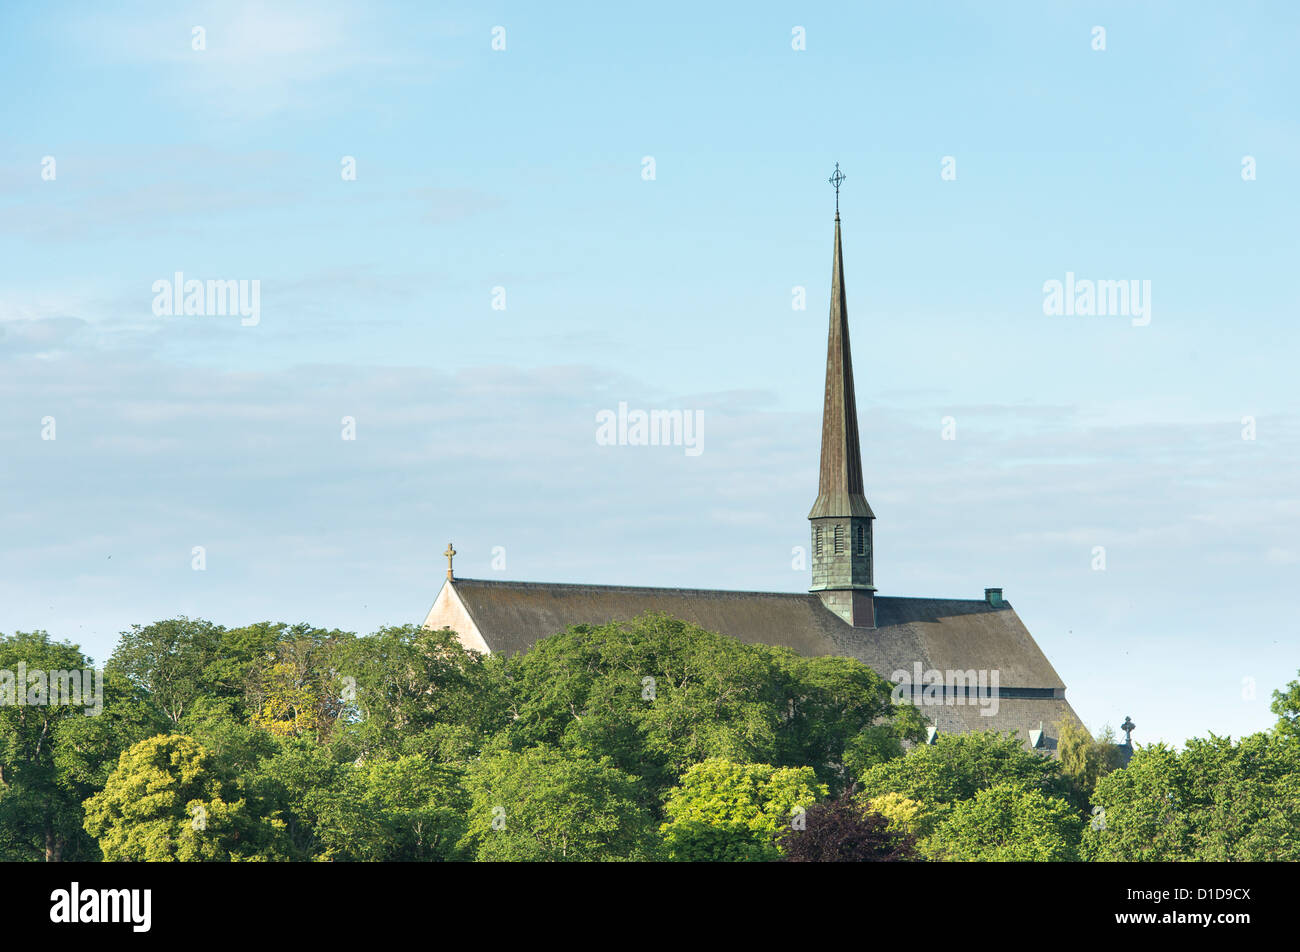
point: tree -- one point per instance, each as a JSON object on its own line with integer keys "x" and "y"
{"x": 173, "y": 662}
{"x": 293, "y": 687}
{"x": 957, "y": 766}
{"x": 1007, "y": 823}
{"x": 1243, "y": 798}
{"x": 841, "y": 718}
{"x": 236, "y": 652}
{"x": 728, "y": 812}
{"x": 168, "y": 800}
{"x": 954, "y": 769}
{"x": 237, "y": 744}
{"x": 1085, "y": 760}
{"x": 298, "y": 783}
{"x": 656, "y": 695}
{"x": 903, "y": 813}
{"x": 42, "y": 782}
{"x": 1139, "y": 810}
{"x": 542, "y": 804}
{"x": 1217, "y": 801}
{"x": 881, "y": 743}
{"x": 843, "y": 831}
{"x": 86, "y": 749}
{"x": 1286, "y": 705}
{"x": 403, "y": 809}
{"x": 419, "y": 691}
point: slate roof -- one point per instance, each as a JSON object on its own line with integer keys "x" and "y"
{"x": 942, "y": 634}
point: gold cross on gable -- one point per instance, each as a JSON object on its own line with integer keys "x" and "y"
{"x": 449, "y": 553}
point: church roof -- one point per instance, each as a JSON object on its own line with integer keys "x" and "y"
{"x": 942, "y": 634}
{"x": 839, "y": 487}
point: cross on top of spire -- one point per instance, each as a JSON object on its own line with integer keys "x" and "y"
{"x": 839, "y": 483}
{"x": 837, "y": 178}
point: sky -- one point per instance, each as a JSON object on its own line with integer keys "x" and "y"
{"x": 560, "y": 208}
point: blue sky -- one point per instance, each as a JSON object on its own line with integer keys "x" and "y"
{"x": 522, "y": 169}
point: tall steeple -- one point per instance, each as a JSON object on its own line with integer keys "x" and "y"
{"x": 841, "y": 517}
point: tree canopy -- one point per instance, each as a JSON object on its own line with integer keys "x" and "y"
{"x": 637, "y": 740}
{"x": 1215, "y": 801}
{"x": 723, "y": 811}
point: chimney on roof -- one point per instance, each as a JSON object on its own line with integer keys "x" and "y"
{"x": 993, "y": 596}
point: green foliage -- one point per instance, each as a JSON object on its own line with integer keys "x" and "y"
{"x": 47, "y": 756}
{"x": 881, "y": 743}
{"x": 292, "y": 688}
{"x": 1216, "y": 801}
{"x": 169, "y": 800}
{"x": 402, "y": 809}
{"x": 1286, "y": 705}
{"x": 1085, "y": 760}
{"x": 419, "y": 692}
{"x": 904, "y": 813}
{"x": 842, "y": 718}
{"x": 1007, "y": 823}
{"x": 942, "y": 779}
{"x": 86, "y": 749}
{"x": 634, "y": 740}
{"x": 657, "y": 695}
{"x": 238, "y": 744}
{"x": 728, "y": 812}
{"x": 542, "y": 804}
{"x": 296, "y": 783}
{"x": 173, "y": 663}
{"x": 957, "y": 766}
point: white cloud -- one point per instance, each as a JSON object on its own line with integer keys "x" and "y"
{"x": 261, "y": 59}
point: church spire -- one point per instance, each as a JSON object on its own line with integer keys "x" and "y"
{"x": 839, "y": 488}
{"x": 841, "y": 518}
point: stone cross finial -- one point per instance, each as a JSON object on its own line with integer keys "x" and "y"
{"x": 449, "y": 553}
{"x": 837, "y": 178}
{"x": 1128, "y": 727}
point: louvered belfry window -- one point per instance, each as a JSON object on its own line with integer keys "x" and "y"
{"x": 817, "y": 540}
{"x": 861, "y": 541}
{"x": 839, "y": 540}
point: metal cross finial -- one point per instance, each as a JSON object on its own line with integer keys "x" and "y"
{"x": 837, "y": 177}
{"x": 1128, "y": 727}
{"x": 449, "y": 553}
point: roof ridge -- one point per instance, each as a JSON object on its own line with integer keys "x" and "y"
{"x": 720, "y": 591}
{"x": 635, "y": 588}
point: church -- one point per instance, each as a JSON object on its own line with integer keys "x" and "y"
{"x": 969, "y": 664}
